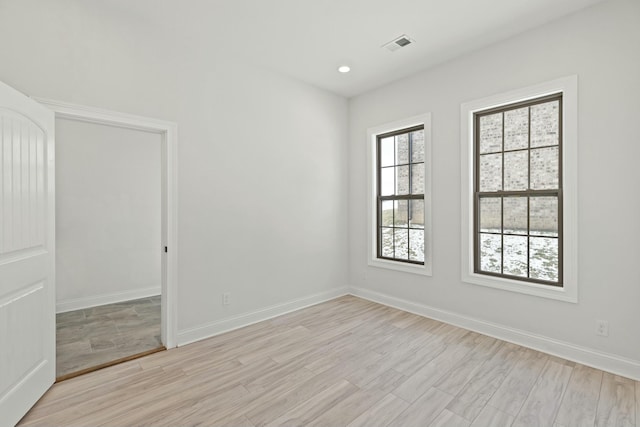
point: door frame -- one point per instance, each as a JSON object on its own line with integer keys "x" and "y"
{"x": 168, "y": 132}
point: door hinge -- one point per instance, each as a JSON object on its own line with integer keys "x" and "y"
{"x": 166, "y": 249}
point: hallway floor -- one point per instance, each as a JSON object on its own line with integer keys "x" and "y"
{"x": 94, "y": 336}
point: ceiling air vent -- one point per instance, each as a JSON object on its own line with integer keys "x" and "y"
{"x": 397, "y": 43}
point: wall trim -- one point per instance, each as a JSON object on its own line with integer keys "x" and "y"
{"x": 605, "y": 361}
{"x": 372, "y": 203}
{"x": 208, "y": 330}
{"x": 169, "y": 222}
{"x": 111, "y": 298}
{"x": 568, "y": 86}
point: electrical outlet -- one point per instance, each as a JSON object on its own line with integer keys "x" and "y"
{"x": 225, "y": 298}
{"x": 602, "y": 328}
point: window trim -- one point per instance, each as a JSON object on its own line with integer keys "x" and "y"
{"x": 569, "y": 167}
{"x": 380, "y": 199}
{"x": 528, "y": 193}
{"x": 423, "y": 120}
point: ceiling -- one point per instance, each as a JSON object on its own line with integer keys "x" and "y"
{"x": 309, "y": 39}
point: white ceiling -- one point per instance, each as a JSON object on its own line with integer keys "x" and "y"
{"x": 309, "y": 39}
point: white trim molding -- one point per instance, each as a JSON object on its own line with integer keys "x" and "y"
{"x": 605, "y": 361}
{"x": 372, "y": 209}
{"x": 221, "y": 326}
{"x": 569, "y": 88}
{"x": 169, "y": 134}
{"x": 112, "y": 298}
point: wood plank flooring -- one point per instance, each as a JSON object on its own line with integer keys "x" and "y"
{"x": 346, "y": 362}
{"x": 99, "y": 335}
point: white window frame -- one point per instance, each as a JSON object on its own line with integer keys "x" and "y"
{"x": 372, "y": 135}
{"x": 569, "y": 88}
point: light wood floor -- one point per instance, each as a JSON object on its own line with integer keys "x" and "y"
{"x": 347, "y": 362}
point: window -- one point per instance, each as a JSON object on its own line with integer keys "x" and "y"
{"x": 400, "y": 195}
{"x": 519, "y": 190}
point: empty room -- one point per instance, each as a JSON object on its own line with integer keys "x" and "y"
{"x": 319, "y": 213}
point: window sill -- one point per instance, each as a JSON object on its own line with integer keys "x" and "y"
{"x": 424, "y": 270}
{"x": 566, "y": 293}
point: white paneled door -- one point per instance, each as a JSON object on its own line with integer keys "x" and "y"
{"x": 27, "y": 292}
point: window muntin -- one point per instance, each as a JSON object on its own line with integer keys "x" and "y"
{"x": 518, "y": 191}
{"x": 400, "y": 195}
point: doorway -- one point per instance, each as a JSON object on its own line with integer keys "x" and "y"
{"x": 116, "y": 237}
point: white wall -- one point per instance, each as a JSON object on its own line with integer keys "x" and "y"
{"x": 600, "y": 45}
{"x": 263, "y": 160}
{"x": 107, "y": 214}
{"x": 261, "y": 157}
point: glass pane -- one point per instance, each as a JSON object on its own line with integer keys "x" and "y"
{"x": 491, "y": 172}
{"x": 490, "y": 253}
{"x": 516, "y": 129}
{"x": 387, "y": 242}
{"x": 515, "y": 255}
{"x": 402, "y": 179}
{"x": 543, "y": 252}
{"x": 516, "y": 170}
{"x": 491, "y": 214}
{"x": 544, "y": 124}
{"x": 417, "y": 147}
{"x": 491, "y": 133}
{"x": 543, "y": 216}
{"x": 401, "y": 213}
{"x": 386, "y": 181}
{"x": 386, "y": 152}
{"x": 515, "y": 215}
{"x": 416, "y": 220}
{"x": 402, "y": 147}
{"x": 387, "y": 213}
{"x": 401, "y": 243}
{"x": 417, "y": 178}
{"x": 544, "y": 168}
{"x": 416, "y": 245}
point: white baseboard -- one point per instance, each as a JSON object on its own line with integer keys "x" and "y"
{"x": 208, "y": 330}
{"x": 607, "y": 362}
{"x": 93, "y": 301}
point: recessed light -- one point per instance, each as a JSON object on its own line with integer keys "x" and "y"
{"x": 344, "y": 68}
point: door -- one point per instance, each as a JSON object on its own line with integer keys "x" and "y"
{"x": 27, "y": 289}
